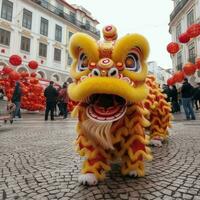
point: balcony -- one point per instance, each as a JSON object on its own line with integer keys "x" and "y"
{"x": 45, "y": 4}
{"x": 178, "y": 8}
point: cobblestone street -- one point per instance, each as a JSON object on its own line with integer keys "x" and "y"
{"x": 38, "y": 161}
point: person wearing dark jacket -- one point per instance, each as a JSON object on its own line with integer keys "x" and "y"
{"x": 186, "y": 93}
{"x": 167, "y": 92}
{"x": 51, "y": 95}
{"x": 16, "y": 99}
{"x": 174, "y": 99}
{"x": 196, "y": 96}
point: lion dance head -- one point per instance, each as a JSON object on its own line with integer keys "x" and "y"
{"x": 109, "y": 84}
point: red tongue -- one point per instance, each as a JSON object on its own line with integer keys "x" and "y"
{"x": 104, "y": 112}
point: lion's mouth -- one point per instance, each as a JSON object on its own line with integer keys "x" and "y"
{"x": 105, "y": 107}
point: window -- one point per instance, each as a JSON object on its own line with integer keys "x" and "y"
{"x": 44, "y": 26}
{"x": 87, "y": 25}
{"x": 178, "y": 31}
{"x": 70, "y": 34}
{"x": 179, "y": 61}
{"x": 69, "y": 60}
{"x": 25, "y": 44}
{"x": 4, "y": 37}
{"x": 190, "y": 18}
{"x": 58, "y": 33}
{"x": 191, "y": 52}
{"x": 43, "y": 50}
{"x": 57, "y": 54}
{"x": 27, "y": 19}
{"x": 6, "y": 10}
{"x": 72, "y": 17}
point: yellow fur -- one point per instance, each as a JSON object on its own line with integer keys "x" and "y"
{"x": 106, "y": 85}
{"x": 101, "y": 142}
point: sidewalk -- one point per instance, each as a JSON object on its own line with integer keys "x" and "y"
{"x": 38, "y": 161}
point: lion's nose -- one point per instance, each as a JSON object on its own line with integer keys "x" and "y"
{"x": 105, "y": 67}
{"x": 105, "y": 63}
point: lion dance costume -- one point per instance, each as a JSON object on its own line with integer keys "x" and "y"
{"x": 110, "y": 85}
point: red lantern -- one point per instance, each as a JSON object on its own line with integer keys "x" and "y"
{"x": 172, "y": 47}
{"x": 23, "y": 74}
{"x": 14, "y": 76}
{"x": 189, "y": 69}
{"x": 197, "y": 63}
{"x": 33, "y": 64}
{"x": 179, "y": 76}
{"x": 33, "y": 74}
{"x": 15, "y": 60}
{"x": 7, "y": 70}
{"x": 170, "y": 81}
{"x": 193, "y": 30}
{"x": 34, "y": 81}
{"x": 184, "y": 38}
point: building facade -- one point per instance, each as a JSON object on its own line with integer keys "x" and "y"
{"x": 40, "y": 30}
{"x": 161, "y": 74}
{"x": 185, "y": 13}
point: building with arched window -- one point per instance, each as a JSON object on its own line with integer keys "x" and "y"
{"x": 40, "y": 30}
{"x": 185, "y": 13}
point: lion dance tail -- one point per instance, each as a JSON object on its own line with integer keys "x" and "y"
{"x": 160, "y": 109}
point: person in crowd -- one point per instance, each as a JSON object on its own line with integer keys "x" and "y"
{"x": 59, "y": 102}
{"x": 51, "y": 95}
{"x": 179, "y": 98}
{"x": 16, "y": 99}
{"x": 196, "y": 96}
{"x": 174, "y": 100}
{"x": 63, "y": 97}
{"x": 1, "y": 93}
{"x": 167, "y": 91}
{"x": 186, "y": 93}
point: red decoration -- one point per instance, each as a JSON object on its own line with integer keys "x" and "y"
{"x": 172, "y": 47}
{"x": 170, "y": 81}
{"x": 179, "y": 76}
{"x": 15, "y": 60}
{"x": 23, "y": 74}
{"x": 3, "y": 50}
{"x": 197, "y": 63}
{"x": 33, "y": 74}
{"x": 7, "y": 70}
{"x": 189, "y": 69}
{"x": 184, "y": 38}
{"x": 33, "y": 64}
{"x": 193, "y": 30}
{"x": 14, "y": 76}
{"x": 33, "y": 93}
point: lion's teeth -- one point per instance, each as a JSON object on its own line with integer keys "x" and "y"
{"x": 126, "y": 79}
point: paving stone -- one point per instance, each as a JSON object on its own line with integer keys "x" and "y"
{"x": 187, "y": 196}
{"x": 38, "y": 161}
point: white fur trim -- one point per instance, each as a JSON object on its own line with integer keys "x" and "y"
{"x": 133, "y": 173}
{"x": 87, "y": 179}
{"x": 156, "y": 143}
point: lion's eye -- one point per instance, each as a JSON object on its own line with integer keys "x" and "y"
{"x": 83, "y": 62}
{"x": 132, "y": 62}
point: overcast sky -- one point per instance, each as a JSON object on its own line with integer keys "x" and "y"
{"x": 147, "y": 17}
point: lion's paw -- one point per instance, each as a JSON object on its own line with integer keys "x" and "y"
{"x": 87, "y": 179}
{"x": 133, "y": 173}
{"x": 156, "y": 143}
